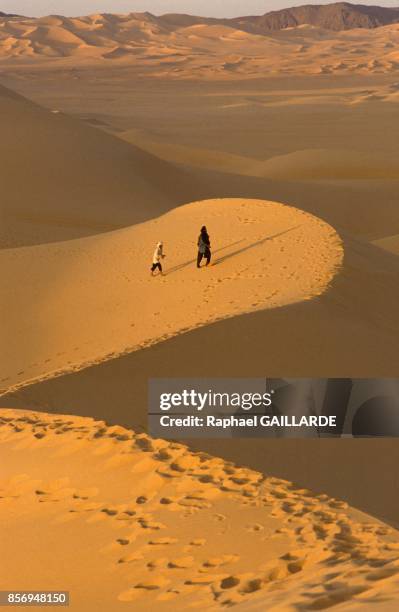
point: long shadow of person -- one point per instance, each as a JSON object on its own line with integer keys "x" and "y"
{"x": 234, "y": 253}
{"x": 253, "y": 245}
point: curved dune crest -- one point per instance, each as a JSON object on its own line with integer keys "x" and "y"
{"x": 93, "y": 298}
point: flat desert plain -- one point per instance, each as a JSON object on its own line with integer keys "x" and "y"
{"x": 286, "y": 148}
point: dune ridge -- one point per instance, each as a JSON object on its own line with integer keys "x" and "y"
{"x": 264, "y": 257}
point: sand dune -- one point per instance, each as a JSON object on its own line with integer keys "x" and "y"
{"x": 351, "y": 329}
{"x": 264, "y": 257}
{"x": 280, "y": 301}
{"x": 192, "y": 532}
{"x": 59, "y": 177}
{"x": 148, "y": 521}
{"x": 330, "y": 164}
{"x": 307, "y": 164}
{"x": 187, "y": 47}
{"x": 195, "y": 156}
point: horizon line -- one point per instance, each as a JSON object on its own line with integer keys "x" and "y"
{"x": 163, "y": 14}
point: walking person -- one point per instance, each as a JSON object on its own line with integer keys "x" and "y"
{"x": 204, "y": 247}
{"x": 156, "y": 260}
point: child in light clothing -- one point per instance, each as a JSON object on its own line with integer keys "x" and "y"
{"x": 156, "y": 260}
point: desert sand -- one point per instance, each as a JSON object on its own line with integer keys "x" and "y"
{"x": 126, "y": 130}
{"x": 211, "y": 50}
{"x": 117, "y": 517}
{"x": 265, "y": 255}
{"x": 350, "y": 330}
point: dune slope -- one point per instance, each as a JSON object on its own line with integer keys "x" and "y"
{"x": 62, "y": 178}
{"x": 151, "y": 524}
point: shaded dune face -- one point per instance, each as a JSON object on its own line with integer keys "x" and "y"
{"x": 93, "y": 298}
{"x": 148, "y": 522}
{"x": 77, "y": 180}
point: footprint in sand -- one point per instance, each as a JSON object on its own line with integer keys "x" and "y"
{"x": 229, "y": 582}
{"x": 140, "y": 588}
{"x": 220, "y": 561}
{"x": 162, "y": 541}
{"x": 151, "y": 585}
{"x": 151, "y": 525}
{"x": 181, "y": 563}
{"x": 204, "y": 580}
{"x": 123, "y": 541}
{"x": 131, "y": 558}
{"x": 256, "y": 527}
{"x": 198, "y": 542}
{"x": 109, "y": 511}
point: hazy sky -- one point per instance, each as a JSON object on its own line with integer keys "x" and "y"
{"x": 210, "y": 8}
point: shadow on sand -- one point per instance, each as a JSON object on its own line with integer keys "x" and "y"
{"x": 234, "y": 253}
{"x": 253, "y": 245}
{"x": 193, "y": 261}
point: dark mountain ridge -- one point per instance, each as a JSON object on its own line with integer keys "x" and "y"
{"x": 337, "y": 16}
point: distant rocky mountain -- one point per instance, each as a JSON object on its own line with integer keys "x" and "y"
{"x": 338, "y": 16}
